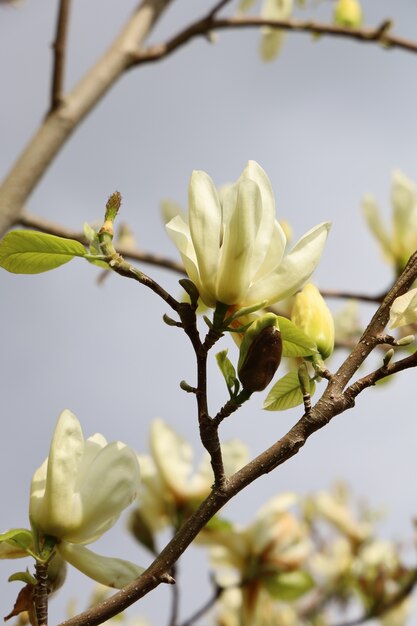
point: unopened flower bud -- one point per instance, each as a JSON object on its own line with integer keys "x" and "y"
{"x": 312, "y": 315}
{"x": 348, "y": 13}
{"x": 260, "y": 353}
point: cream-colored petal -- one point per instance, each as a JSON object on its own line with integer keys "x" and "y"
{"x": 179, "y": 232}
{"x": 374, "y": 221}
{"x": 64, "y": 459}
{"x": 173, "y": 456}
{"x": 268, "y": 227}
{"x": 205, "y": 220}
{"x": 404, "y": 310}
{"x": 295, "y": 269}
{"x": 109, "y": 486}
{"x": 108, "y": 571}
{"x": 274, "y": 253}
{"x": 404, "y": 203}
{"x": 235, "y": 268}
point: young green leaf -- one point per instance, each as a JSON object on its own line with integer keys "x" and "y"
{"x": 286, "y": 393}
{"x": 289, "y": 586}
{"x": 227, "y": 369}
{"x": 15, "y": 543}
{"x": 32, "y": 252}
{"x": 295, "y": 343}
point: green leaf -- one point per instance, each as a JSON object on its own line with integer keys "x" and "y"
{"x": 32, "y": 252}
{"x": 226, "y": 367}
{"x": 286, "y": 393}
{"x": 295, "y": 343}
{"x": 289, "y": 586}
{"x": 18, "y": 536}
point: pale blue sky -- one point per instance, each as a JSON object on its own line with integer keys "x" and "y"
{"x": 328, "y": 121}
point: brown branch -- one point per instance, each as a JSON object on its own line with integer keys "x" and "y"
{"x": 379, "y": 35}
{"x": 363, "y": 297}
{"x": 59, "y": 48}
{"x": 382, "y": 372}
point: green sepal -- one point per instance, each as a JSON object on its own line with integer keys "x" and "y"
{"x": 227, "y": 369}
{"x": 20, "y": 538}
{"x": 24, "y": 577}
{"x": 286, "y": 393}
{"x": 288, "y": 586}
{"x": 33, "y": 252}
{"x": 295, "y": 343}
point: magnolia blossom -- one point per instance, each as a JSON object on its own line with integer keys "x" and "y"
{"x": 171, "y": 486}
{"x": 398, "y": 245}
{"x": 404, "y": 309}
{"x": 78, "y": 493}
{"x": 268, "y": 556}
{"x": 233, "y": 248}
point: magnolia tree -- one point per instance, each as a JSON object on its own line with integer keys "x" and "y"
{"x": 246, "y": 301}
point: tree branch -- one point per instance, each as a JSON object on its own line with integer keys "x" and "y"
{"x": 59, "y": 125}
{"x": 379, "y": 35}
{"x": 332, "y": 403}
{"x": 59, "y": 47}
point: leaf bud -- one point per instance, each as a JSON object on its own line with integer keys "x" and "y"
{"x": 388, "y": 356}
{"x": 260, "y": 353}
{"x": 405, "y": 341}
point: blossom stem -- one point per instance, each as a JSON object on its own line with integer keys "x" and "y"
{"x": 41, "y": 593}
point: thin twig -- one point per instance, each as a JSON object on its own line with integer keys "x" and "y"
{"x": 29, "y": 220}
{"x": 206, "y": 607}
{"x": 388, "y": 605}
{"x": 59, "y": 47}
{"x": 378, "y": 35}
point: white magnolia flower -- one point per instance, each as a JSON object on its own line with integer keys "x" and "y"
{"x": 398, "y": 245}
{"x": 233, "y": 250}
{"x": 170, "y": 483}
{"x": 79, "y": 492}
{"x": 268, "y": 555}
{"x": 404, "y": 309}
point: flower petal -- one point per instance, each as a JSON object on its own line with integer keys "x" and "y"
{"x": 173, "y": 456}
{"x": 373, "y": 219}
{"x": 49, "y": 506}
{"x": 404, "y": 310}
{"x": 179, "y": 234}
{"x": 109, "y": 485}
{"x": 235, "y": 268}
{"x": 108, "y": 571}
{"x": 295, "y": 269}
{"x": 205, "y": 219}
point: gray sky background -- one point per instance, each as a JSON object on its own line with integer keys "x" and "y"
{"x": 329, "y": 121}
